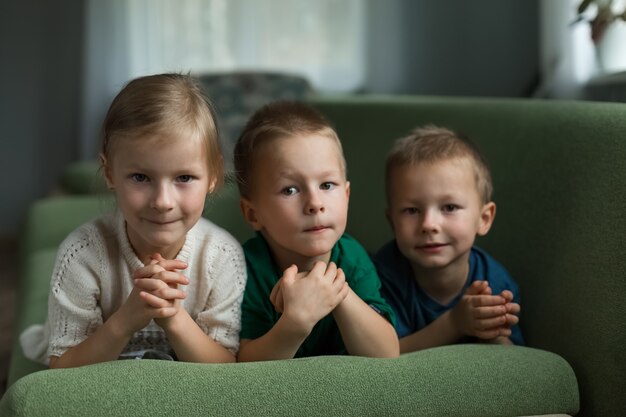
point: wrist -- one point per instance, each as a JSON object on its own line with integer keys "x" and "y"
{"x": 173, "y": 323}
{"x": 119, "y": 327}
{"x": 453, "y": 324}
{"x": 295, "y": 327}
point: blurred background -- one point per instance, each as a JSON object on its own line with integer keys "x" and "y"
{"x": 61, "y": 63}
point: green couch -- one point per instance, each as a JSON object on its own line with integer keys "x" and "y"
{"x": 559, "y": 180}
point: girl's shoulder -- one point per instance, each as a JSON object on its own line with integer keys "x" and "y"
{"x": 91, "y": 237}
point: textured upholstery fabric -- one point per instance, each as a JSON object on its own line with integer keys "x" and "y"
{"x": 449, "y": 381}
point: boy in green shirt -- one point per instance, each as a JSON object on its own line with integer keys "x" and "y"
{"x": 311, "y": 289}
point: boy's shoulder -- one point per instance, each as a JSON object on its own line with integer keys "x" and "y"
{"x": 348, "y": 243}
{"x": 484, "y": 266}
{"x": 483, "y": 260}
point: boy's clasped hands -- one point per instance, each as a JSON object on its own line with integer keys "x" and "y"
{"x": 484, "y": 315}
{"x": 307, "y": 297}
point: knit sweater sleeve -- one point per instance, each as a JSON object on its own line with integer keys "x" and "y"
{"x": 73, "y": 308}
{"x": 221, "y": 316}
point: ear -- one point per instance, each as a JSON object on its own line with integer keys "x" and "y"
{"x": 106, "y": 169}
{"x": 487, "y": 215}
{"x": 249, "y": 213}
{"x": 348, "y": 189}
{"x": 211, "y": 187}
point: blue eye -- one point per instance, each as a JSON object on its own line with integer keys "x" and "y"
{"x": 449, "y": 208}
{"x": 289, "y": 190}
{"x": 185, "y": 178}
{"x": 327, "y": 186}
{"x": 139, "y": 177}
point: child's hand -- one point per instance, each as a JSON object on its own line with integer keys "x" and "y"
{"x": 481, "y": 314}
{"x": 512, "y": 311}
{"x": 276, "y": 296}
{"x": 158, "y": 282}
{"x": 309, "y": 297}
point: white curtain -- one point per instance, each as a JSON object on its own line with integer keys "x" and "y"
{"x": 322, "y": 40}
{"x": 569, "y": 58}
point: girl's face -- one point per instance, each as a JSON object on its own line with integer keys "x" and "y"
{"x": 436, "y": 212}
{"x": 161, "y": 185}
{"x": 299, "y": 198}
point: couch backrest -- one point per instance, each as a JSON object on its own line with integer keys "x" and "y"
{"x": 559, "y": 173}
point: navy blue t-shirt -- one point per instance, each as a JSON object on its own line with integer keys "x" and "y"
{"x": 414, "y": 308}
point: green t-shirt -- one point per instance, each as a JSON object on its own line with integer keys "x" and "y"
{"x": 258, "y": 314}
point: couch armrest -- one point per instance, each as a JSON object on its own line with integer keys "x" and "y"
{"x": 453, "y": 380}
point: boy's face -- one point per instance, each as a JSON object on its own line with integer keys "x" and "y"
{"x": 436, "y": 212}
{"x": 299, "y": 197}
{"x": 160, "y": 186}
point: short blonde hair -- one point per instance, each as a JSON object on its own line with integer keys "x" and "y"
{"x": 280, "y": 119}
{"x": 163, "y": 104}
{"x": 431, "y": 144}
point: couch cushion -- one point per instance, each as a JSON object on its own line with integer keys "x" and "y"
{"x": 497, "y": 380}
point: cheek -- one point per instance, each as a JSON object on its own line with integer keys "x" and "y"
{"x": 404, "y": 228}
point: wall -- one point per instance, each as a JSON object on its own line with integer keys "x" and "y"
{"x": 454, "y": 47}
{"x": 40, "y": 44}
{"x": 447, "y": 47}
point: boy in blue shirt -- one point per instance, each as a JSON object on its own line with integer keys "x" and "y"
{"x": 311, "y": 289}
{"x": 443, "y": 289}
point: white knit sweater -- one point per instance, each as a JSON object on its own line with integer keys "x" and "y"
{"x": 93, "y": 277}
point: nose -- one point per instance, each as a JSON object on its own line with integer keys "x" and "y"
{"x": 314, "y": 203}
{"x": 430, "y": 222}
{"x": 163, "y": 199}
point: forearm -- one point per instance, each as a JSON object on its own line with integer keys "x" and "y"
{"x": 105, "y": 344}
{"x": 438, "y": 333}
{"x": 364, "y": 331}
{"x": 281, "y": 342}
{"x": 191, "y": 344}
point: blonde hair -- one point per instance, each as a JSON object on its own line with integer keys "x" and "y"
{"x": 164, "y": 104}
{"x": 431, "y": 144}
{"x": 280, "y": 119}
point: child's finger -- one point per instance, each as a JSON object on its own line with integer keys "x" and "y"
{"x": 149, "y": 284}
{"x": 154, "y": 301}
{"x": 276, "y": 297}
{"x": 171, "y": 278}
{"x": 490, "y": 323}
{"x": 508, "y": 295}
{"x": 172, "y": 264}
{"x": 147, "y": 271}
{"x": 331, "y": 271}
{"x": 511, "y": 319}
{"x": 486, "y": 300}
{"x": 170, "y": 294}
{"x": 318, "y": 270}
{"x": 340, "y": 278}
{"x": 475, "y": 288}
{"x": 513, "y": 308}
{"x": 289, "y": 275}
{"x": 488, "y": 312}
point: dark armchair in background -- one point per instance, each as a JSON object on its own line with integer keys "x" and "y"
{"x": 236, "y": 95}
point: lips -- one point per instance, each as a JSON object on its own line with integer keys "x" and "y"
{"x": 316, "y": 229}
{"x": 431, "y": 247}
{"x": 161, "y": 222}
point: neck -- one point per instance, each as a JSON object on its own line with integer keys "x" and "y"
{"x": 284, "y": 258}
{"x": 443, "y": 284}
